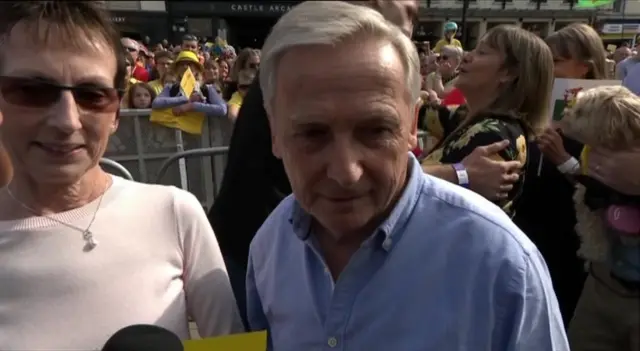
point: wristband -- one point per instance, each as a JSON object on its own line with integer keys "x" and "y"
{"x": 461, "y": 173}
{"x": 571, "y": 166}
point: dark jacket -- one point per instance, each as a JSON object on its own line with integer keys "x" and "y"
{"x": 254, "y": 180}
{"x": 547, "y": 215}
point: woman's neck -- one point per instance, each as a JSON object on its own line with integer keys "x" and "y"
{"x": 477, "y": 102}
{"x": 55, "y": 198}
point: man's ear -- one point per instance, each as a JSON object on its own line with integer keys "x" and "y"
{"x": 413, "y": 135}
{"x": 275, "y": 149}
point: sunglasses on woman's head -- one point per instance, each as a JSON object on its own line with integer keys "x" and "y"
{"x": 39, "y": 93}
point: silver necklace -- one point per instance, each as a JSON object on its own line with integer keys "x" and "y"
{"x": 87, "y": 235}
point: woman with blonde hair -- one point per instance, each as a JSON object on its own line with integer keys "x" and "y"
{"x": 503, "y": 80}
{"x": 546, "y": 213}
{"x": 244, "y": 81}
{"x": 247, "y": 59}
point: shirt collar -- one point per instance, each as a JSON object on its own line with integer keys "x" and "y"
{"x": 391, "y": 230}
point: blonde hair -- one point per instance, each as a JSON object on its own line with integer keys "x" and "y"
{"x": 607, "y": 116}
{"x": 452, "y": 50}
{"x": 530, "y": 61}
{"x": 582, "y": 43}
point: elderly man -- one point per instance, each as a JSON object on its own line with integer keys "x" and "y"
{"x": 242, "y": 191}
{"x": 370, "y": 253}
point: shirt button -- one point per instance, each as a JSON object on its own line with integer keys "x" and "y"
{"x": 332, "y": 342}
{"x": 386, "y": 244}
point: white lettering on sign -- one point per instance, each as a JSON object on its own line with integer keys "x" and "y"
{"x": 118, "y": 19}
{"x": 260, "y": 8}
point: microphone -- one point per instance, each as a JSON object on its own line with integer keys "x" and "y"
{"x": 143, "y": 337}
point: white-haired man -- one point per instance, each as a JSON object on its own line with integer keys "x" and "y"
{"x": 370, "y": 253}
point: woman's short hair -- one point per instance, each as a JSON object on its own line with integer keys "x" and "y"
{"x": 529, "y": 60}
{"x": 607, "y": 116}
{"x": 582, "y": 43}
{"x": 76, "y": 23}
{"x": 452, "y": 51}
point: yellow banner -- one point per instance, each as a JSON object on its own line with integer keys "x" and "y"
{"x": 190, "y": 122}
{"x": 256, "y": 341}
{"x": 188, "y": 83}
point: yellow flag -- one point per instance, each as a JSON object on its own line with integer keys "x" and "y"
{"x": 256, "y": 341}
{"x": 190, "y": 122}
{"x": 188, "y": 83}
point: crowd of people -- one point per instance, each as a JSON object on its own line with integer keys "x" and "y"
{"x": 153, "y": 78}
{"x": 509, "y": 232}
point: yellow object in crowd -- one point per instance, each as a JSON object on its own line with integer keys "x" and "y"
{"x": 236, "y": 99}
{"x": 190, "y": 122}
{"x": 584, "y": 159}
{"x": 157, "y": 86}
{"x": 443, "y": 42}
{"x": 256, "y": 341}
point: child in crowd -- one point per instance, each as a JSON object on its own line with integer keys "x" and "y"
{"x": 204, "y": 99}
{"x": 140, "y": 96}
{"x": 607, "y": 316}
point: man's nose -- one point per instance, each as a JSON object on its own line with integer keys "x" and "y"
{"x": 65, "y": 114}
{"x": 345, "y": 164}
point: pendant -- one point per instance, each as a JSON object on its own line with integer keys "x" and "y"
{"x": 90, "y": 242}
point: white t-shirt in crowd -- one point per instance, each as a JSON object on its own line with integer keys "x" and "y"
{"x": 157, "y": 261}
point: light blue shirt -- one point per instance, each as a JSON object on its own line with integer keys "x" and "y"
{"x": 632, "y": 79}
{"x": 624, "y": 67}
{"x": 446, "y": 271}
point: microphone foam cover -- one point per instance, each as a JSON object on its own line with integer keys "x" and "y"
{"x": 143, "y": 337}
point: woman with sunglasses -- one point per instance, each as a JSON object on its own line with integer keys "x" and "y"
{"x": 204, "y": 98}
{"x": 84, "y": 253}
{"x": 442, "y": 80}
{"x": 247, "y": 59}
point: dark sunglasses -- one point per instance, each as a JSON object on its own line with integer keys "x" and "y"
{"x": 254, "y": 65}
{"x": 243, "y": 86}
{"x": 442, "y": 58}
{"x": 37, "y": 93}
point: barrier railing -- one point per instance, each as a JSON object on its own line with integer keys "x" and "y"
{"x": 115, "y": 166}
{"x": 149, "y": 152}
{"x": 141, "y": 147}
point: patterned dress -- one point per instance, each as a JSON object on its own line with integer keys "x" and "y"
{"x": 460, "y": 139}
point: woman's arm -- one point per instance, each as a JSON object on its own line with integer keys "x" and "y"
{"x": 209, "y": 296}
{"x": 215, "y": 108}
{"x": 234, "y": 109}
{"x": 164, "y": 100}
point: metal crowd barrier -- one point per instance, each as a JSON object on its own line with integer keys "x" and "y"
{"x": 142, "y": 147}
{"x": 149, "y": 152}
{"x": 118, "y": 168}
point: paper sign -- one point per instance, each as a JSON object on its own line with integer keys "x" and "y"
{"x": 188, "y": 83}
{"x": 190, "y": 122}
{"x": 566, "y": 91}
{"x": 611, "y": 47}
{"x": 256, "y": 341}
